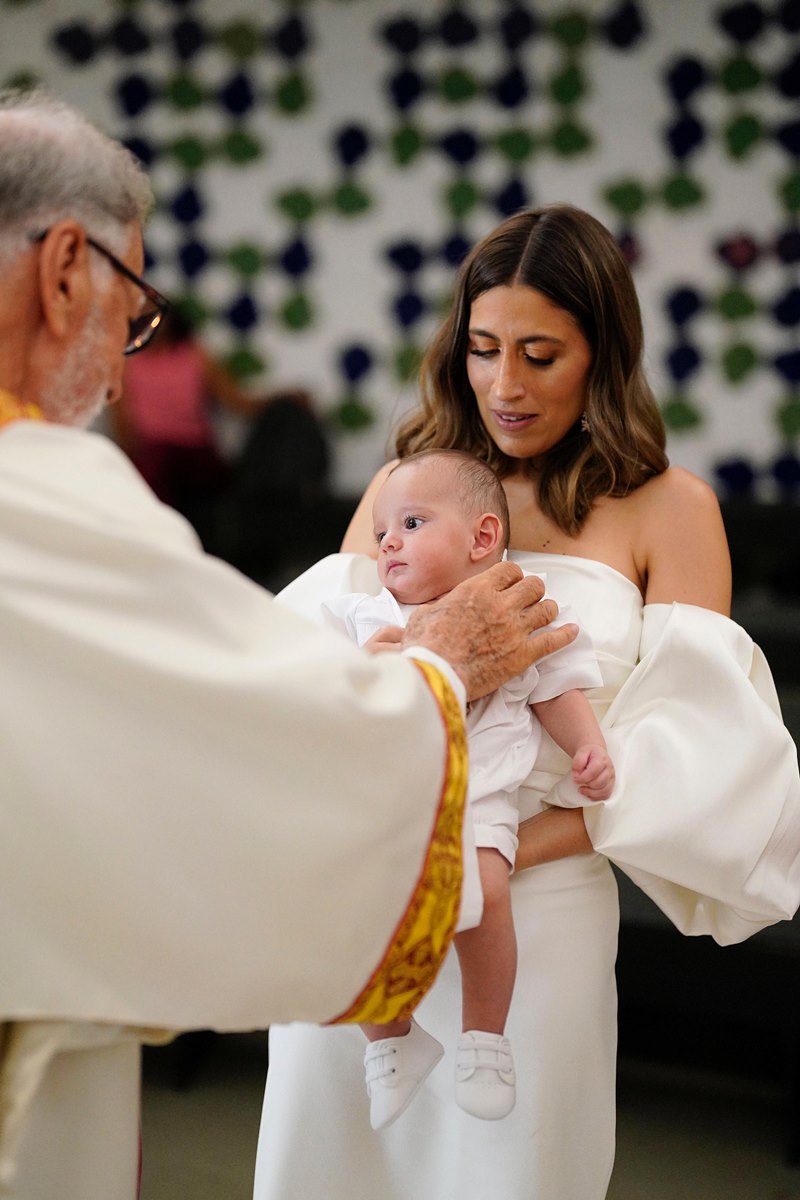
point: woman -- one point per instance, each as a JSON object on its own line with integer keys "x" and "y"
{"x": 538, "y": 371}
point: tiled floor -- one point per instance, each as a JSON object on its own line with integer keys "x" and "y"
{"x": 681, "y": 1137}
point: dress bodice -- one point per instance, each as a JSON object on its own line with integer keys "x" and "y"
{"x": 609, "y": 607}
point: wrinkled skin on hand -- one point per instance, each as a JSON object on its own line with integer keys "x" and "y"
{"x": 490, "y": 627}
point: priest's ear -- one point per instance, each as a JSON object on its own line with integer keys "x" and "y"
{"x": 487, "y": 538}
{"x": 65, "y": 287}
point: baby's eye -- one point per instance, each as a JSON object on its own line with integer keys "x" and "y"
{"x": 412, "y": 523}
{"x": 379, "y": 537}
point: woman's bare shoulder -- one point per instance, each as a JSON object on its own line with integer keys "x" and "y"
{"x": 680, "y": 544}
{"x": 676, "y": 485}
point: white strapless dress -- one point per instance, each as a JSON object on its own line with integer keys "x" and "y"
{"x": 690, "y": 714}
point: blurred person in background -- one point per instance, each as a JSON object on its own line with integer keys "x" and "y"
{"x": 164, "y": 420}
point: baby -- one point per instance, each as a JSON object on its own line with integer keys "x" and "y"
{"x": 440, "y": 517}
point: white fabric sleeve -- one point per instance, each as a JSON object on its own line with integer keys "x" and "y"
{"x": 336, "y": 613}
{"x": 334, "y": 576}
{"x": 705, "y": 813}
{"x": 200, "y": 829}
{"x": 316, "y": 595}
{"x": 574, "y": 666}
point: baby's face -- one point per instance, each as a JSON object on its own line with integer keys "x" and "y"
{"x": 424, "y": 539}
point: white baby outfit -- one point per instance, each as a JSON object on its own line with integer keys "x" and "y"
{"x": 503, "y": 733}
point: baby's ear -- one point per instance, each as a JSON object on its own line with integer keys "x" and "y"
{"x": 487, "y": 537}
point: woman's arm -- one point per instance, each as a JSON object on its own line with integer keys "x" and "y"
{"x": 554, "y": 833}
{"x": 681, "y": 552}
{"x": 360, "y": 537}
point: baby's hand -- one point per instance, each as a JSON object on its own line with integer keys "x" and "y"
{"x": 593, "y": 772}
{"x": 387, "y": 638}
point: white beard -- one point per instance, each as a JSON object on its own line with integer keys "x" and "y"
{"x": 79, "y": 392}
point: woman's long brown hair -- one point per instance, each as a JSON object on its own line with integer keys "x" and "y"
{"x": 571, "y": 258}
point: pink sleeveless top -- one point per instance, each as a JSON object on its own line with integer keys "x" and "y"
{"x": 166, "y": 396}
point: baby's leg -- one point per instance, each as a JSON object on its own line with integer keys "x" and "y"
{"x": 374, "y": 1033}
{"x": 398, "y": 1060}
{"x": 488, "y": 954}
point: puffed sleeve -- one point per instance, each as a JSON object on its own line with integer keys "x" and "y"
{"x": 705, "y": 814}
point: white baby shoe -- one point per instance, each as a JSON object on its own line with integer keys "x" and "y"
{"x": 485, "y": 1077}
{"x": 396, "y": 1068}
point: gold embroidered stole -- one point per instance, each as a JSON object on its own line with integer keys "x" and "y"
{"x": 421, "y": 940}
{"x": 12, "y": 409}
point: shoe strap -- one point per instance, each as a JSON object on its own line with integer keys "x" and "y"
{"x": 496, "y": 1058}
{"x": 380, "y": 1064}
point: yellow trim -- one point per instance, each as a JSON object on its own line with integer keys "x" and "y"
{"x": 421, "y": 940}
{"x": 12, "y": 409}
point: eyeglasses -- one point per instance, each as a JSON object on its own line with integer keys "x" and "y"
{"x": 141, "y": 328}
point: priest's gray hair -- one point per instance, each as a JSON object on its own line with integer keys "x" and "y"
{"x": 54, "y": 164}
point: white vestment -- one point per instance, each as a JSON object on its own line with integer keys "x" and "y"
{"x": 705, "y": 816}
{"x": 198, "y": 829}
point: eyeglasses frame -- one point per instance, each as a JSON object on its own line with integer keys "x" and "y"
{"x": 162, "y": 304}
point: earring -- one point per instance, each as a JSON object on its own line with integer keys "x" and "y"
{"x": 586, "y": 424}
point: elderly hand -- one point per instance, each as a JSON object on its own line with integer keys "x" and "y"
{"x": 490, "y": 627}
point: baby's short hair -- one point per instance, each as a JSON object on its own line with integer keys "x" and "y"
{"x": 479, "y": 488}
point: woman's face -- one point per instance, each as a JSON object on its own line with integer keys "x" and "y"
{"x": 528, "y": 363}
